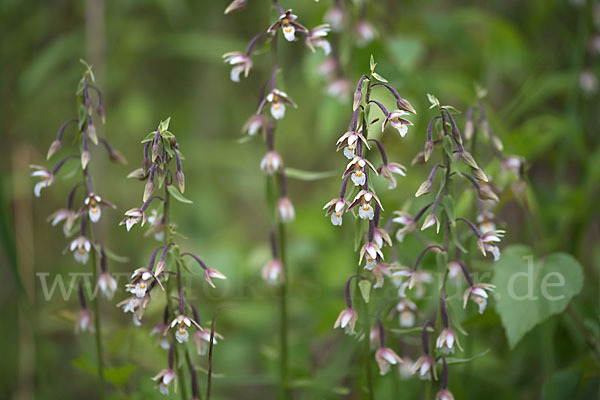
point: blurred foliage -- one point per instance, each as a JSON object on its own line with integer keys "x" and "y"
{"x": 163, "y": 58}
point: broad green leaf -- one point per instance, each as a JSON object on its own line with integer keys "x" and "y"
{"x": 166, "y": 134}
{"x": 149, "y": 137}
{"x": 530, "y": 290}
{"x": 379, "y": 77}
{"x": 372, "y": 64}
{"x": 365, "y": 289}
{"x": 118, "y": 376}
{"x": 308, "y": 175}
{"x": 178, "y": 196}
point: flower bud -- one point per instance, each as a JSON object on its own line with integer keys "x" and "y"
{"x": 100, "y": 112}
{"x": 485, "y": 193}
{"x": 148, "y": 189}
{"x": 137, "y": 174}
{"x": 180, "y": 180}
{"x": 85, "y": 159}
{"x": 55, "y": 147}
{"x": 357, "y": 100}
{"x": 155, "y": 150}
{"x": 424, "y": 188}
{"x": 236, "y": 5}
{"x": 428, "y": 150}
{"x": 404, "y": 105}
{"x": 419, "y": 159}
{"x": 285, "y": 210}
{"x": 479, "y": 174}
{"x": 431, "y": 220}
{"x": 91, "y": 132}
{"x": 468, "y": 159}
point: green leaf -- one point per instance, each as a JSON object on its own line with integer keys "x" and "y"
{"x": 365, "y": 289}
{"x": 529, "y": 290}
{"x": 118, "y": 376}
{"x": 448, "y": 204}
{"x": 166, "y": 134}
{"x": 149, "y": 137}
{"x": 178, "y": 196}
{"x": 85, "y": 363}
{"x": 451, "y": 109}
{"x": 379, "y": 77}
{"x": 82, "y": 116}
{"x": 455, "y": 240}
{"x": 115, "y": 257}
{"x": 433, "y": 100}
{"x": 164, "y": 125}
{"x": 372, "y": 64}
{"x": 453, "y": 360}
{"x": 448, "y": 148}
{"x": 308, "y": 175}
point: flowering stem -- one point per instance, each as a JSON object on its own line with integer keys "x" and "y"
{"x": 283, "y": 329}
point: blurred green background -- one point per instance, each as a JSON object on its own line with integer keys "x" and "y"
{"x": 160, "y": 58}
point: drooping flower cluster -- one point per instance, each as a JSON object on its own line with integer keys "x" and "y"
{"x": 180, "y": 318}
{"x": 359, "y": 173}
{"x": 83, "y": 204}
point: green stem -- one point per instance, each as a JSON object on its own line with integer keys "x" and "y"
{"x": 283, "y": 314}
{"x": 98, "y": 327}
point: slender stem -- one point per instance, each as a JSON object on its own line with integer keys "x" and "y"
{"x": 283, "y": 314}
{"x": 98, "y": 327}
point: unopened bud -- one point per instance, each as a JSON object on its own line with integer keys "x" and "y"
{"x": 91, "y": 132}
{"x": 155, "y": 149}
{"x": 180, "y": 180}
{"x": 137, "y": 174}
{"x": 428, "y": 150}
{"x": 403, "y": 104}
{"x": 55, "y": 147}
{"x": 116, "y": 156}
{"x": 424, "y": 188}
{"x": 236, "y": 5}
{"x": 357, "y": 100}
{"x": 100, "y": 112}
{"x": 486, "y": 193}
{"x": 468, "y": 159}
{"x": 85, "y": 159}
{"x": 497, "y": 143}
{"x": 469, "y": 130}
{"x": 418, "y": 159}
{"x": 148, "y": 189}
{"x": 479, "y": 174}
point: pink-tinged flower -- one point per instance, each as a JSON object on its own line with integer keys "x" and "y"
{"x": 202, "y": 338}
{"x": 365, "y": 33}
{"x": 430, "y": 221}
{"x": 273, "y": 273}
{"x": 414, "y": 279}
{"x": 164, "y": 379}
{"x": 240, "y": 63}
{"x": 425, "y": 366}
{"x": 335, "y": 18}
{"x": 285, "y": 210}
{"x": 405, "y": 368}
{"x": 380, "y": 270}
{"x": 395, "y": 119}
{"x": 92, "y": 204}
{"x": 339, "y": 88}
{"x": 388, "y": 170}
{"x": 374, "y": 339}
{"x": 137, "y": 306}
{"x": 278, "y": 100}
{"x": 271, "y": 162}
{"x": 46, "y": 179}
{"x": 157, "y": 228}
{"x": 316, "y": 38}
{"x": 478, "y": 294}
{"x": 140, "y": 282}
{"x": 328, "y": 67}
{"x": 370, "y": 251}
{"x": 84, "y": 321}
{"x": 336, "y": 208}
{"x": 162, "y": 334}
{"x": 381, "y": 237}
{"x": 132, "y": 217}
{"x": 485, "y": 222}
{"x": 348, "y": 141}
{"x": 513, "y": 164}
{"x": 107, "y": 284}
{"x": 68, "y": 216}
{"x": 444, "y": 394}
{"x": 407, "y": 224}
{"x": 289, "y": 26}
{"x": 446, "y": 340}
{"x": 407, "y": 312}
{"x": 487, "y": 243}
{"x": 81, "y": 247}
{"x": 386, "y": 357}
{"x": 183, "y": 323}
{"x": 210, "y": 274}
{"x": 254, "y": 124}
{"x": 454, "y": 270}
{"x": 366, "y": 210}
{"x": 346, "y": 320}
